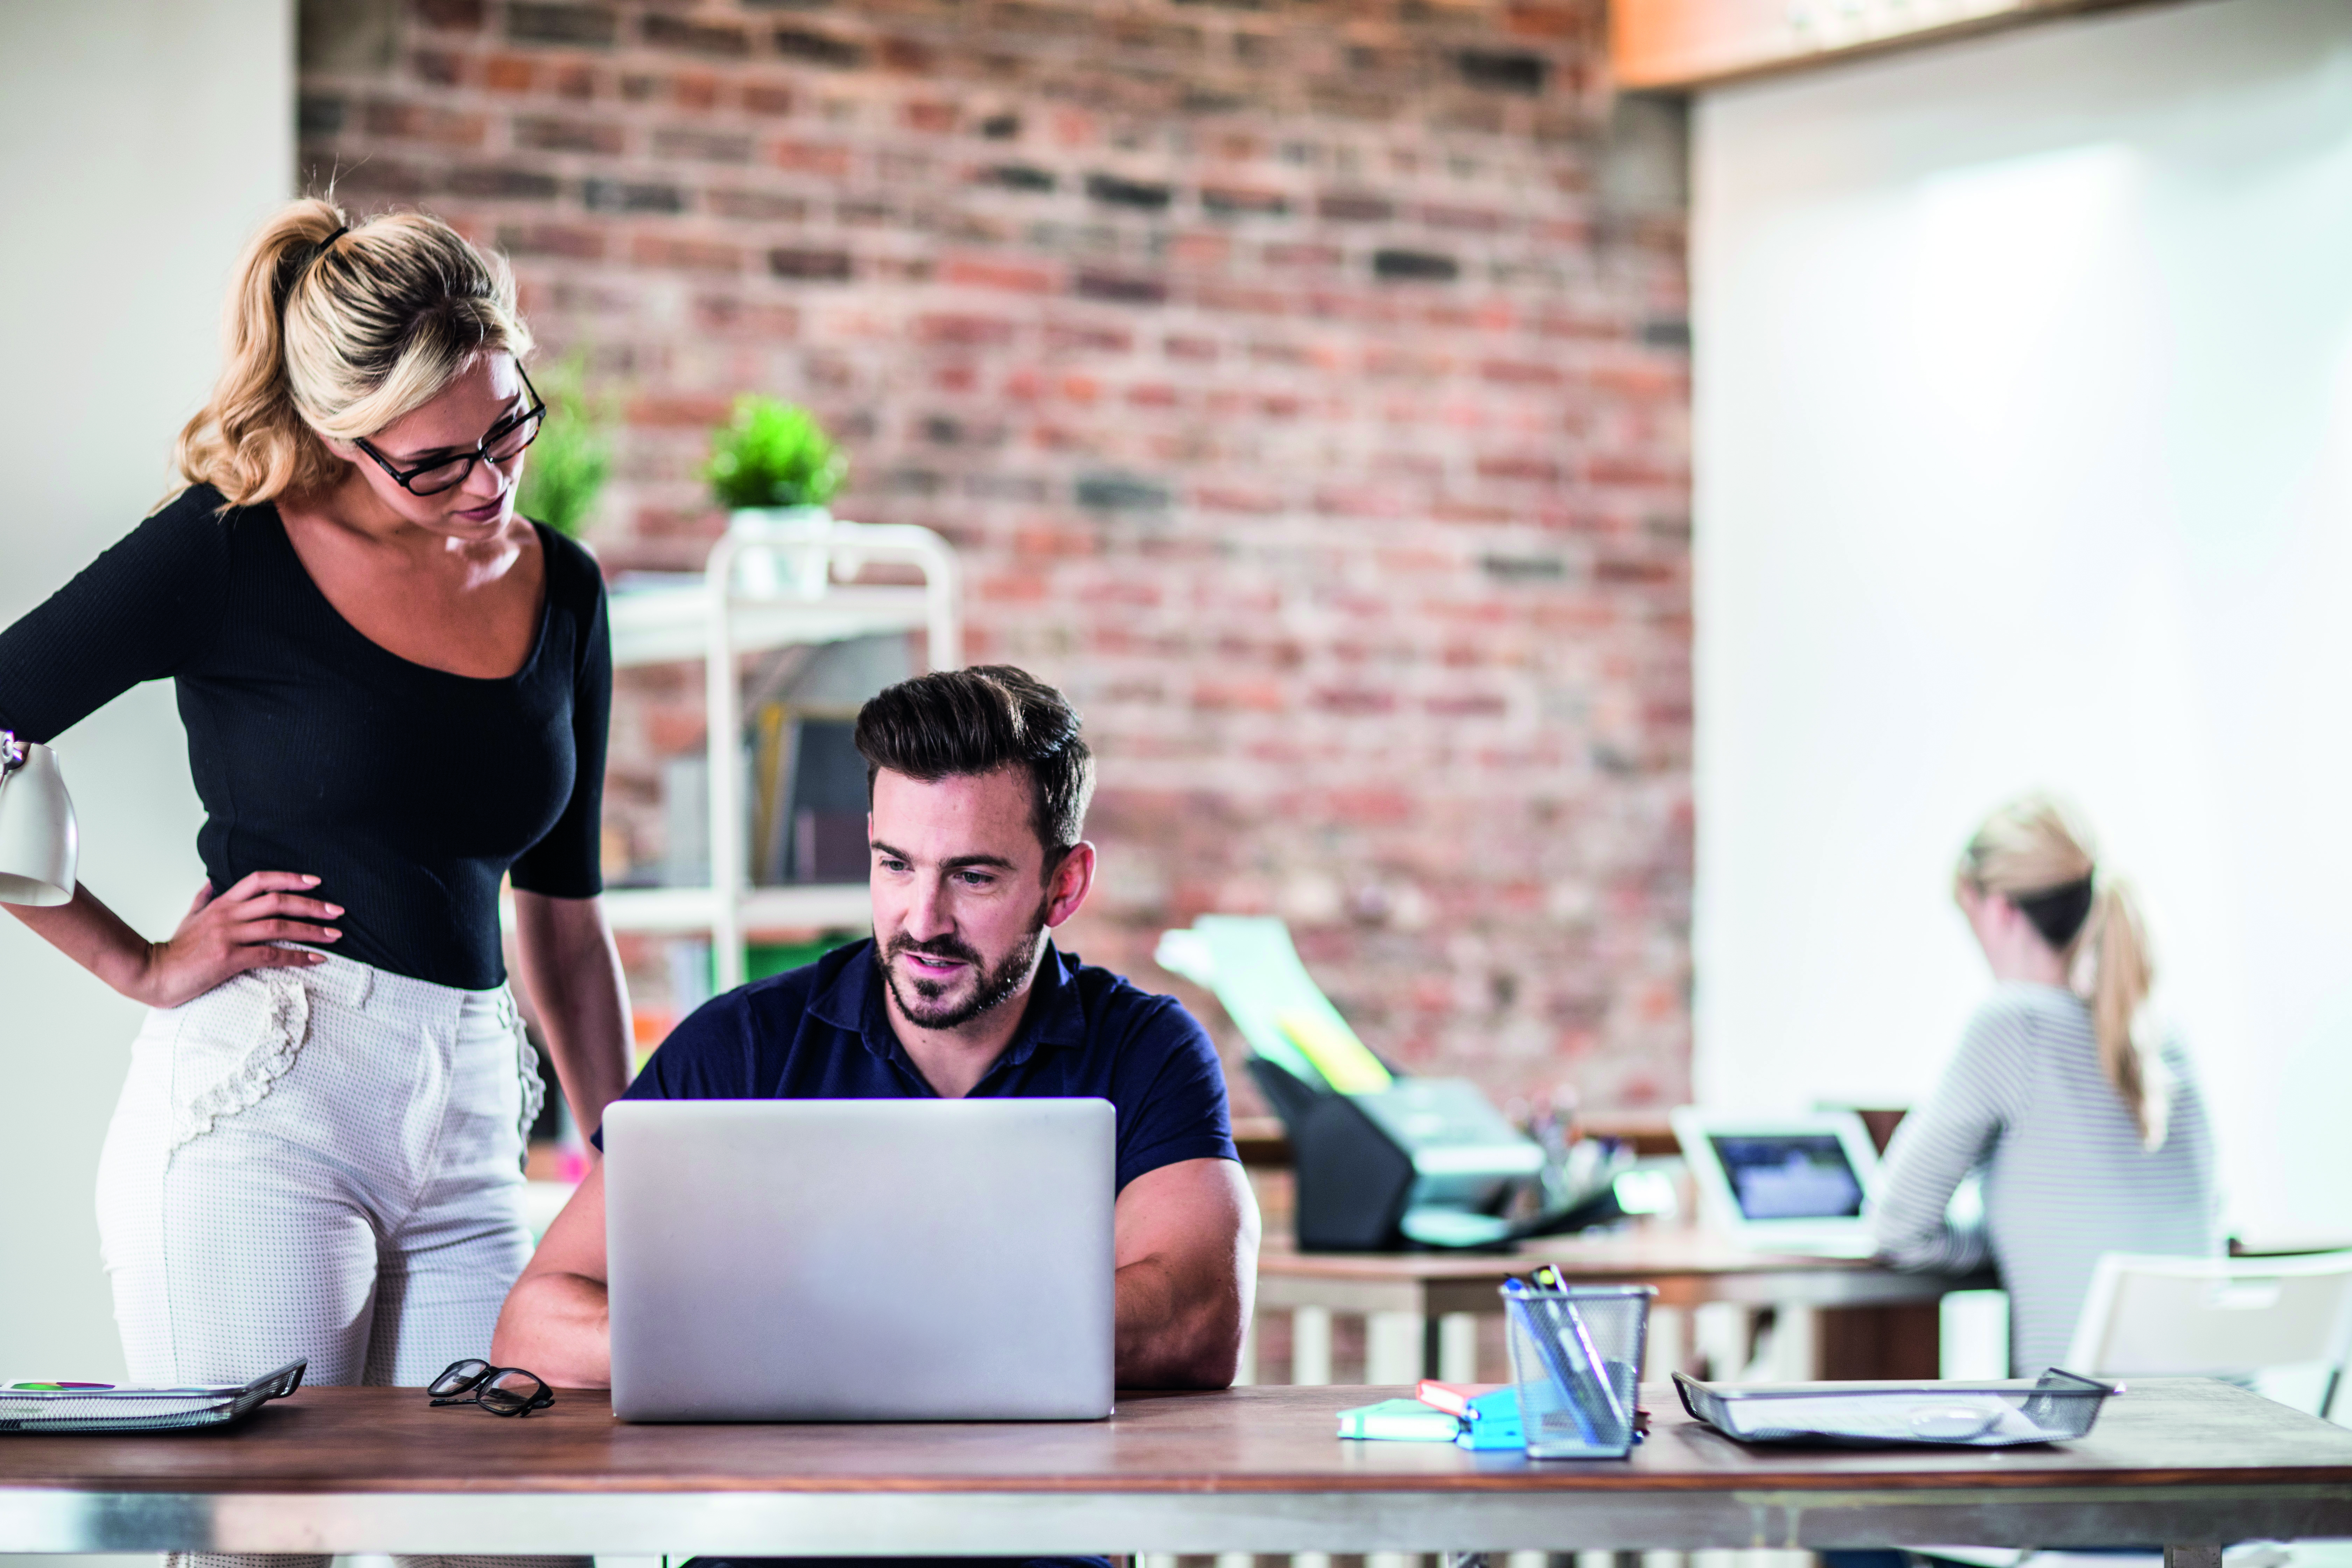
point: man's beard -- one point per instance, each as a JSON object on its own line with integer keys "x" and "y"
{"x": 924, "y": 1009}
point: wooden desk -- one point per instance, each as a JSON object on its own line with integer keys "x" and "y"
{"x": 2186, "y": 1461}
{"x": 1890, "y": 1317}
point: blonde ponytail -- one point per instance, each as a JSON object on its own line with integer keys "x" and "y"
{"x": 2035, "y": 850}
{"x": 2112, "y": 965}
{"x": 339, "y": 329}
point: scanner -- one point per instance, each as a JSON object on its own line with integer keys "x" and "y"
{"x": 1425, "y": 1161}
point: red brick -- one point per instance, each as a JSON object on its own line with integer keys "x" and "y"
{"x": 1023, "y": 588}
{"x": 979, "y": 273}
{"x": 577, "y": 242}
{"x": 1516, "y": 372}
{"x": 680, "y": 411}
{"x": 1235, "y": 499}
{"x": 690, "y": 255}
{"x": 932, "y": 116}
{"x": 1519, "y": 466}
{"x": 906, "y": 55}
{"x": 739, "y": 319}
{"x": 962, "y": 328}
{"x": 813, "y": 158}
{"x": 426, "y": 123}
{"x": 1306, "y": 257}
{"x": 549, "y": 133}
{"x": 509, "y": 73}
{"x": 1257, "y": 695}
{"x": 1088, "y": 337}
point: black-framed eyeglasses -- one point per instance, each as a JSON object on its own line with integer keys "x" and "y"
{"x": 500, "y": 1390}
{"x": 505, "y": 442}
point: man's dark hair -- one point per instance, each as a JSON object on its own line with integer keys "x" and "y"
{"x": 955, "y": 722}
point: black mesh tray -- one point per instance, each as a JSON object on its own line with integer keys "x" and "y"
{"x": 2054, "y": 1408}
{"x": 144, "y": 1410}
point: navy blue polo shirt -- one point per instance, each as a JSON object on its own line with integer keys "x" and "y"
{"x": 823, "y": 1032}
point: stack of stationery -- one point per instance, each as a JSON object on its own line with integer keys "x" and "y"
{"x": 58, "y": 1407}
{"x": 1473, "y": 1415}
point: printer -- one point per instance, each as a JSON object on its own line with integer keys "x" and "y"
{"x": 1384, "y": 1160}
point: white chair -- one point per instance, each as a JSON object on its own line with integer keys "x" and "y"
{"x": 2283, "y": 1326}
{"x": 2280, "y": 1325}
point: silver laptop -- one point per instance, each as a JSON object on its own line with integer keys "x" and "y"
{"x": 860, "y": 1259}
{"x": 1784, "y": 1183}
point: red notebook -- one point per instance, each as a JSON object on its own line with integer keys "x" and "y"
{"x": 1453, "y": 1398}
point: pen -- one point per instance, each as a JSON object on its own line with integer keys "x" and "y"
{"x": 1544, "y": 1329}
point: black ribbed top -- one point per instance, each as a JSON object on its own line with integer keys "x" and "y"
{"x": 408, "y": 791}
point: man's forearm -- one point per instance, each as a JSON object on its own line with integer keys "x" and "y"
{"x": 560, "y": 1327}
{"x": 1171, "y": 1337}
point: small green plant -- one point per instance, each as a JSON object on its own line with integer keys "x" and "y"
{"x": 773, "y": 454}
{"x": 573, "y": 455}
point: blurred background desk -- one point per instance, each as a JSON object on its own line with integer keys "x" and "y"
{"x": 1736, "y": 1312}
{"x": 1722, "y": 1309}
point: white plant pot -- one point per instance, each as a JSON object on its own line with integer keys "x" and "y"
{"x": 796, "y": 559}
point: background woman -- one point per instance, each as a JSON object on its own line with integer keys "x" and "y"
{"x": 2092, "y": 1138}
{"x": 395, "y": 693}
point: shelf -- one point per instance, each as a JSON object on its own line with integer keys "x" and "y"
{"x": 773, "y": 580}
{"x": 656, "y": 624}
{"x": 845, "y": 906}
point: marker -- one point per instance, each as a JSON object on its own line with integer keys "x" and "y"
{"x": 54, "y": 1387}
{"x": 1566, "y": 1319}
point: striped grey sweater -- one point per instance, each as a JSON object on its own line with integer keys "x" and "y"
{"x": 2064, "y": 1175}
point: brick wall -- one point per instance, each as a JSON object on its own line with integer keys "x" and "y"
{"x": 1306, "y": 382}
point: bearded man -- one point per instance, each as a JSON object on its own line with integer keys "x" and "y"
{"x": 978, "y": 782}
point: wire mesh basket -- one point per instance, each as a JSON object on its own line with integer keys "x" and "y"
{"x": 1576, "y": 1357}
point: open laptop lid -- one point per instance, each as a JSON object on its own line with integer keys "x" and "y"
{"x": 1806, "y": 1176}
{"x": 861, "y": 1260}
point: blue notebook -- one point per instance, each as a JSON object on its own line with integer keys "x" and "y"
{"x": 1400, "y": 1421}
{"x": 1494, "y": 1422}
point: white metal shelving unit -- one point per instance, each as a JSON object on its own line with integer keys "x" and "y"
{"x": 770, "y": 582}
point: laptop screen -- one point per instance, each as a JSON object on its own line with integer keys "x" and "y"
{"x": 1789, "y": 1175}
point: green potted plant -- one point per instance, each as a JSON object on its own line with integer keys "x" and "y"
{"x": 773, "y": 457}
{"x": 573, "y": 455}
{"x": 773, "y": 465}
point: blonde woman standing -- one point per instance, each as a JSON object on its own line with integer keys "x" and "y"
{"x": 2092, "y": 1136}
{"x": 395, "y": 692}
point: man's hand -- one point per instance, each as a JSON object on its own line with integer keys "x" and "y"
{"x": 556, "y": 1322}
{"x": 1187, "y": 1258}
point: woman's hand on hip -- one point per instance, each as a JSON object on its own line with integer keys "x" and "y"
{"x": 222, "y": 937}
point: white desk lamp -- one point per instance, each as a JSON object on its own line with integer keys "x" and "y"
{"x": 38, "y": 840}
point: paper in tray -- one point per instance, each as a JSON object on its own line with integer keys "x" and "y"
{"x": 2057, "y": 1406}
{"x": 142, "y": 1409}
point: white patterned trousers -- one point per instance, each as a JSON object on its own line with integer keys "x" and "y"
{"x": 323, "y": 1164}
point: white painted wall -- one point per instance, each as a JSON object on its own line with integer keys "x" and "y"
{"x": 141, "y": 140}
{"x": 2024, "y": 458}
